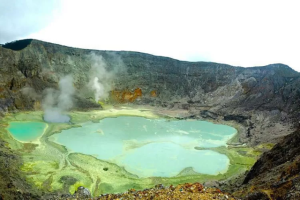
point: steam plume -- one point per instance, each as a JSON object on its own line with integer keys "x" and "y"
{"x": 29, "y": 91}
{"x": 101, "y": 76}
{"x": 57, "y": 102}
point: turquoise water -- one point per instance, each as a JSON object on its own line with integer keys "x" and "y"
{"x": 168, "y": 159}
{"x": 26, "y": 131}
{"x": 151, "y": 147}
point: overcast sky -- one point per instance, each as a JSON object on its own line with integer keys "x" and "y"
{"x": 236, "y": 32}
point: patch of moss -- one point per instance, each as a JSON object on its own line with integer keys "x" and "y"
{"x": 265, "y": 146}
{"x": 29, "y": 147}
{"x": 54, "y": 165}
{"x": 47, "y": 183}
{"x": 74, "y": 187}
{"x": 105, "y": 188}
{"x": 28, "y": 167}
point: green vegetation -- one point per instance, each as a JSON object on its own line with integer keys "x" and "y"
{"x": 50, "y": 167}
{"x": 18, "y": 44}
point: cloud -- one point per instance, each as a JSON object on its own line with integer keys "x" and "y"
{"x": 19, "y": 18}
{"x": 223, "y": 31}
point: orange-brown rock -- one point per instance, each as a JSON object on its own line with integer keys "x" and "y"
{"x": 184, "y": 191}
{"x": 153, "y": 93}
{"x": 124, "y": 96}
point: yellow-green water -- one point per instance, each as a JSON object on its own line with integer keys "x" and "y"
{"x": 151, "y": 147}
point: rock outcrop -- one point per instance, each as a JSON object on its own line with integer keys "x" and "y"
{"x": 276, "y": 174}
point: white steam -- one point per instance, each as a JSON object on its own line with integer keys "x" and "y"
{"x": 101, "y": 76}
{"x": 28, "y": 91}
{"x": 100, "y": 79}
{"x": 57, "y": 102}
{"x": 98, "y": 88}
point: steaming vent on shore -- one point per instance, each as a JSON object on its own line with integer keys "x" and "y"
{"x": 57, "y": 102}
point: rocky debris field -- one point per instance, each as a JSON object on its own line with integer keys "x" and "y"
{"x": 160, "y": 192}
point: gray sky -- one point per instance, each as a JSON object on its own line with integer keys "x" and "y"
{"x": 241, "y": 33}
{"x": 20, "y": 18}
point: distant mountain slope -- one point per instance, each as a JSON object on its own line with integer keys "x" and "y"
{"x": 267, "y": 96}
